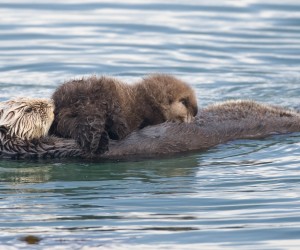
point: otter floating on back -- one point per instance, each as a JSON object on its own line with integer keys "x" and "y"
{"x": 96, "y": 109}
{"x": 24, "y": 126}
{"x": 26, "y": 118}
{"x": 213, "y": 125}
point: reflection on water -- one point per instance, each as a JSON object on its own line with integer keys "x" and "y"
{"x": 244, "y": 194}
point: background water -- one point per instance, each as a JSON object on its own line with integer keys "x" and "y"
{"x": 244, "y": 195}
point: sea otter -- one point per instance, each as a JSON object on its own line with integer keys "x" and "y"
{"x": 24, "y": 126}
{"x": 218, "y": 123}
{"x": 26, "y": 118}
{"x": 96, "y": 109}
{"x": 215, "y": 124}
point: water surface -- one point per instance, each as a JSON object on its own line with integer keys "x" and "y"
{"x": 244, "y": 194}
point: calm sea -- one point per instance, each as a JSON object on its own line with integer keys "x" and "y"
{"x": 241, "y": 195}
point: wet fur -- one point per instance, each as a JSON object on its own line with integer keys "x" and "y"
{"x": 96, "y": 109}
{"x": 26, "y": 118}
{"x": 215, "y": 124}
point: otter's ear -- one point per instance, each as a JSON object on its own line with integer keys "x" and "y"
{"x": 3, "y": 129}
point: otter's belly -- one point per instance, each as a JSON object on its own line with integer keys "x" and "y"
{"x": 214, "y": 125}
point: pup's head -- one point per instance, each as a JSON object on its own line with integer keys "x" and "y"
{"x": 176, "y": 98}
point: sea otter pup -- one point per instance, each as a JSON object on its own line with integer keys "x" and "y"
{"x": 26, "y": 118}
{"x": 96, "y": 109}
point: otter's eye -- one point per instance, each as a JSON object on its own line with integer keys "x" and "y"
{"x": 184, "y": 102}
{"x": 28, "y": 110}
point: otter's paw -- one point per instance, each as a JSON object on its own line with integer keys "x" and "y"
{"x": 93, "y": 143}
{"x": 102, "y": 145}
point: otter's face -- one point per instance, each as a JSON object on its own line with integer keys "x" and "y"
{"x": 182, "y": 109}
{"x": 175, "y": 99}
{"x": 27, "y": 118}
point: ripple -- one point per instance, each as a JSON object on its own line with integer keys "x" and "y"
{"x": 243, "y": 194}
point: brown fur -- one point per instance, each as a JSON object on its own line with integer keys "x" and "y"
{"x": 245, "y": 110}
{"x": 215, "y": 124}
{"x": 94, "y": 110}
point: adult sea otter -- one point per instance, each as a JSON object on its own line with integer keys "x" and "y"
{"x": 213, "y": 125}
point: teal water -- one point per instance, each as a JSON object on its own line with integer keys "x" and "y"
{"x": 241, "y": 195}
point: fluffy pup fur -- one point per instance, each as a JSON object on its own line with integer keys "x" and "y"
{"x": 96, "y": 109}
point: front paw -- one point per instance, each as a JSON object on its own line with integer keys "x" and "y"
{"x": 93, "y": 143}
{"x": 102, "y": 145}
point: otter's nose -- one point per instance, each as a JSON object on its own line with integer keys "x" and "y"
{"x": 195, "y": 110}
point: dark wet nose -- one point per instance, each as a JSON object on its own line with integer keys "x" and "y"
{"x": 194, "y": 110}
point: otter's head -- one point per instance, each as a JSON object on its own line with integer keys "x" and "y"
{"x": 176, "y": 100}
{"x": 26, "y": 118}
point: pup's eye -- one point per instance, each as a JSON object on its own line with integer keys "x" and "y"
{"x": 184, "y": 102}
{"x": 28, "y": 110}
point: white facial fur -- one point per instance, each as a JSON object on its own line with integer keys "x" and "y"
{"x": 27, "y": 118}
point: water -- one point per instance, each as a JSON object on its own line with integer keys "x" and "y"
{"x": 242, "y": 195}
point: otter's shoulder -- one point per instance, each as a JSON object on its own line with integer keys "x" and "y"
{"x": 87, "y": 89}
